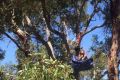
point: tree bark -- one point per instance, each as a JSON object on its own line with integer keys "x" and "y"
{"x": 113, "y": 73}
{"x": 112, "y": 60}
{"x": 47, "y": 45}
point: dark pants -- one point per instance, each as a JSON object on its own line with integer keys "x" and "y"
{"x": 86, "y": 65}
{"x": 81, "y": 66}
{"x": 76, "y": 74}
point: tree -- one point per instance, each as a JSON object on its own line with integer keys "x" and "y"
{"x": 45, "y": 14}
{"x": 48, "y": 22}
{"x": 113, "y": 55}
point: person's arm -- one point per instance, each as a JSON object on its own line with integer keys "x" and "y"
{"x": 76, "y": 61}
{"x": 84, "y": 56}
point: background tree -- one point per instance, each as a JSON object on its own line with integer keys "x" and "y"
{"x": 113, "y": 60}
{"x": 113, "y": 11}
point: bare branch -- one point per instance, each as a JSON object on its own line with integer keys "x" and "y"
{"x": 91, "y": 16}
{"x": 78, "y": 13}
{"x": 46, "y": 15}
{"x": 6, "y": 34}
{"x": 106, "y": 72}
{"x": 47, "y": 44}
{"x": 94, "y": 28}
{"x": 65, "y": 40}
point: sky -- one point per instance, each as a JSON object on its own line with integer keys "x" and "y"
{"x": 10, "y": 48}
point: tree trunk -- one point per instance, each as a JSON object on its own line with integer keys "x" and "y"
{"x": 113, "y": 73}
{"x": 112, "y": 60}
{"x": 79, "y": 37}
{"x": 64, "y": 35}
{"x": 49, "y": 44}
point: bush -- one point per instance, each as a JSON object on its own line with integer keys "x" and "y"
{"x": 45, "y": 69}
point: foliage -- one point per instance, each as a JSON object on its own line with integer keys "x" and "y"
{"x": 7, "y": 72}
{"x": 38, "y": 67}
{"x": 44, "y": 69}
{"x": 97, "y": 72}
{"x": 100, "y": 57}
{"x": 2, "y": 54}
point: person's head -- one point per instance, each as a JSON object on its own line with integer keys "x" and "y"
{"x": 82, "y": 52}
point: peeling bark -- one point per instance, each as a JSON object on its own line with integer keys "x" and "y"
{"x": 22, "y": 35}
{"x": 113, "y": 73}
{"x": 49, "y": 44}
{"x": 112, "y": 60}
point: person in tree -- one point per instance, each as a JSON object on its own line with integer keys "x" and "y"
{"x": 82, "y": 55}
{"x": 79, "y": 55}
{"x": 80, "y": 62}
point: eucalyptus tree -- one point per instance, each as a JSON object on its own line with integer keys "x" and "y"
{"x": 49, "y": 22}
{"x": 114, "y": 50}
{"x": 112, "y": 13}
{"x": 48, "y": 19}
{"x": 72, "y": 16}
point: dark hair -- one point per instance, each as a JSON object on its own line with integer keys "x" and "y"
{"x": 77, "y": 49}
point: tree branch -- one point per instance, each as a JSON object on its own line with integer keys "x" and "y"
{"x": 14, "y": 42}
{"x": 64, "y": 36}
{"x": 47, "y": 43}
{"x": 106, "y": 72}
{"x": 94, "y": 28}
{"x": 78, "y": 13}
{"x": 91, "y": 16}
{"x": 39, "y": 37}
{"x": 46, "y": 15}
